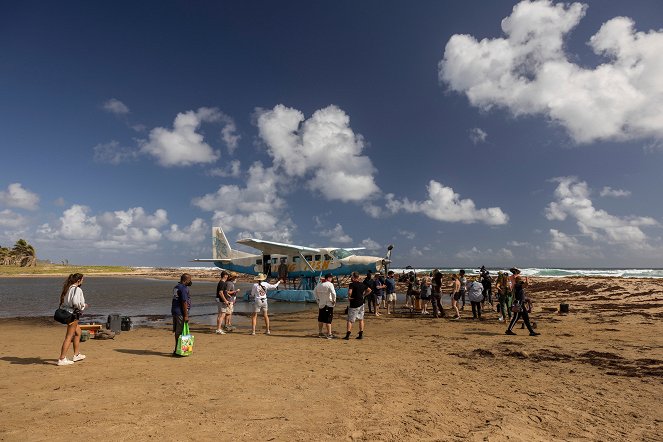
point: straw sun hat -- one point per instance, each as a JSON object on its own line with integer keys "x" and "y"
{"x": 260, "y": 277}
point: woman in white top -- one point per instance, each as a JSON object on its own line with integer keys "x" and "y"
{"x": 259, "y": 296}
{"x": 72, "y": 300}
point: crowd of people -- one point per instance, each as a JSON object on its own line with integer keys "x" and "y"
{"x": 375, "y": 291}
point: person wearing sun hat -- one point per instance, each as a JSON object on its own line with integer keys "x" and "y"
{"x": 259, "y": 300}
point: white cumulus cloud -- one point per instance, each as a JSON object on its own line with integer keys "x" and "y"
{"x": 196, "y": 232}
{"x": 18, "y": 197}
{"x": 443, "y": 204}
{"x": 230, "y": 170}
{"x": 183, "y": 145}
{"x": 11, "y": 220}
{"x": 337, "y": 235}
{"x": 572, "y": 199}
{"x": 255, "y": 210}
{"x": 528, "y": 72}
{"x": 323, "y": 150}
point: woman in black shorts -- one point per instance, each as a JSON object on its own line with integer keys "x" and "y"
{"x": 455, "y": 294}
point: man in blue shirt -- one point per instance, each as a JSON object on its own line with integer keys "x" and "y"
{"x": 180, "y": 306}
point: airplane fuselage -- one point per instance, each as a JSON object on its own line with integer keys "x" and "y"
{"x": 298, "y": 266}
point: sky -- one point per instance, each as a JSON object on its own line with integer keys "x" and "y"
{"x": 465, "y": 133}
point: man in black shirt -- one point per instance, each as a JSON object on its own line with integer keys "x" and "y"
{"x": 222, "y": 302}
{"x": 356, "y": 293}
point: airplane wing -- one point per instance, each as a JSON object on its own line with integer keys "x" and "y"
{"x": 275, "y": 248}
{"x": 210, "y": 260}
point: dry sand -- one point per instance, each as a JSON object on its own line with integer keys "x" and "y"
{"x": 594, "y": 374}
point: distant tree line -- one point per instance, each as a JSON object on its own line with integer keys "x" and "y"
{"x": 22, "y": 254}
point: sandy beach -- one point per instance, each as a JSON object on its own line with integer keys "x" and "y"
{"x": 593, "y": 374}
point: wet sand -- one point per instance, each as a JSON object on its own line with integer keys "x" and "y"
{"x": 594, "y": 374}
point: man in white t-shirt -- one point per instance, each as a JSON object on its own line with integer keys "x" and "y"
{"x": 325, "y": 294}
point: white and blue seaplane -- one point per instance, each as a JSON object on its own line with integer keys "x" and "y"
{"x": 299, "y": 266}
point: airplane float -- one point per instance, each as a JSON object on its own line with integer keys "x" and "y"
{"x": 302, "y": 265}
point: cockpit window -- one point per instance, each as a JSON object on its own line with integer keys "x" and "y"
{"x": 341, "y": 253}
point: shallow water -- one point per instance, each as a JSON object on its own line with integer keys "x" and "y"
{"x": 145, "y": 300}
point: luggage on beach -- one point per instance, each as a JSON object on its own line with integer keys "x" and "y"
{"x": 126, "y": 325}
{"x": 185, "y": 342}
{"x": 114, "y": 323}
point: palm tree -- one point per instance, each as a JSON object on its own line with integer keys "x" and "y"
{"x": 5, "y": 256}
{"x": 24, "y": 254}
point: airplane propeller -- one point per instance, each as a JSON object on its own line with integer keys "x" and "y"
{"x": 387, "y": 259}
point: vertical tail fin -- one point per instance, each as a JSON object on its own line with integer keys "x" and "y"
{"x": 220, "y": 246}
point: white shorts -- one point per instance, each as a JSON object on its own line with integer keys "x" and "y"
{"x": 260, "y": 304}
{"x": 227, "y": 309}
{"x": 391, "y": 297}
{"x": 355, "y": 313}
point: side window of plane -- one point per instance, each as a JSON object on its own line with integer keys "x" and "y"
{"x": 273, "y": 260}
{"x": 317, "y": 257}
{"x": 259, "y": 262}
{"x": 308, "y": 257}
{"x": 295, "y": 259}
{"x": 327, "y": 257}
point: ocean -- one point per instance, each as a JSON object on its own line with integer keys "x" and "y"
{"x": 555, "y": 273}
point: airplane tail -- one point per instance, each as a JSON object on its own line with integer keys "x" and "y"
{"x": 221, "y": 247}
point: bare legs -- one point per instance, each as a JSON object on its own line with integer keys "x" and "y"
{"x": 73, "y": 331}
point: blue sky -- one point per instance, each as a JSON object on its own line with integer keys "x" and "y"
{"x": 464, "y": 133}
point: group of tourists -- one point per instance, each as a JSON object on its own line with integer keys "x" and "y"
{"x": 375, "y": 290}
{"x": 512, "y": 303}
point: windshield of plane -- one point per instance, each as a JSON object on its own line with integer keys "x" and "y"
{"x": 341, "y": 253}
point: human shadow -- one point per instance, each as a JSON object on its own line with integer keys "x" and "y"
{"x": 27, "y": 361}
{"x": 142, "y": 352}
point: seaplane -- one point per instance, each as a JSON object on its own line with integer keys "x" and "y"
{"x": 299, "y": 266}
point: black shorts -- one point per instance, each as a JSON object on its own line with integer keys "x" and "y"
{"x": 457, "y": 296}
{"x": 325, "y": 315}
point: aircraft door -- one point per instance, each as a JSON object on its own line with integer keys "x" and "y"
{"x": 267, "y": 264}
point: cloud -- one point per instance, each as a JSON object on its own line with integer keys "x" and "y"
{"x": 475, "y": 254}
{"x": 478, "y": 135}
{"x": 229, "y": 133}
{"x": 323, "y": 150}
{"x": 337, "y": 235}
{"x": 230, "y": 170}
{"x": 121, "y": 230}
{"x": 115, "y": 106}
{"x": 113, "y": 153}
{"x": 572, "y": 199}
{"x": 371, "y": 245}
{"x": 11, "y": 220}
{"x": 443, "y": 204}
{"x": 256, "y": 209}
{"x": 183, "y": 145}
{"x": 372, "y": 210}
{"x": 196, "y": 232}
{"x": 407, "y": 234}
{"x": 614, "y": 193}
{"x": 528, "y": 73}
{"x": 517, "y": 244}
{"x": 18, "y": 197}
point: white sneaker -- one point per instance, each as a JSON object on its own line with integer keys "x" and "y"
{"x": 78, "y": 357}
{"x": 220, "y": 332}
{"x": 65, "y": 361}
{"x": 500, "y": 319}
{"x": 253, "y": 332}
{"x": 268, "y": 332}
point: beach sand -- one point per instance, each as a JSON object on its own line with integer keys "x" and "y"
{"x": 594, "y": 374}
